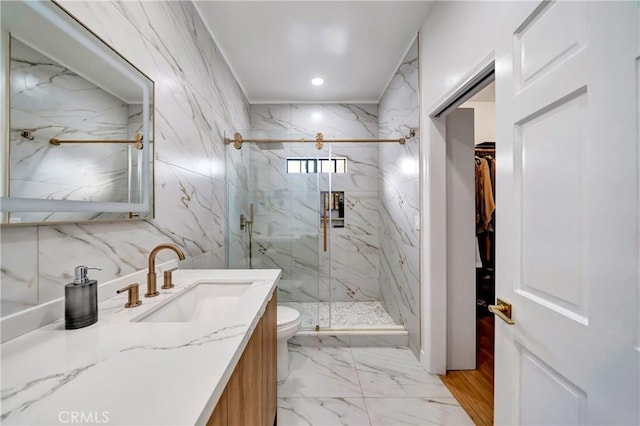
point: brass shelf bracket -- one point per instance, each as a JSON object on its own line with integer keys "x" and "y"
{"x": 319, "y": 141}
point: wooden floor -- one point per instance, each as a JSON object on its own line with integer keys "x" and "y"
{"x": 474, "y": 388}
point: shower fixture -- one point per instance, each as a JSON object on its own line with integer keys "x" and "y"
{"x": 248, "y": 225}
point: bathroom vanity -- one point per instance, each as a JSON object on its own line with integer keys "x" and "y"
{"x": 203, "y": 352}
{"x": 250, "y": 397}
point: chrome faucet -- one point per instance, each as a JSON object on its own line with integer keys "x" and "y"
{"x": 152, "y": 290}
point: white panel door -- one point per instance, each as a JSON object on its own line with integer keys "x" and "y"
{"x": 567, "y": 210}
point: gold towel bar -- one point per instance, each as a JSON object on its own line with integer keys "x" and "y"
{"x": 137, "y": 141}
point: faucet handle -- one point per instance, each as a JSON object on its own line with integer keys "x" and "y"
{"x": 134, "y": 298}
{"x": 168, "y": 279}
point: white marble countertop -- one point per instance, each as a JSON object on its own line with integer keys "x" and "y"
{"x": 119, "y": 372}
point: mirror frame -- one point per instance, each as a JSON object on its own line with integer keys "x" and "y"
{"x": 65, "y": 21}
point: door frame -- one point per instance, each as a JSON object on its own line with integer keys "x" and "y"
{"x": 433, "y": 159}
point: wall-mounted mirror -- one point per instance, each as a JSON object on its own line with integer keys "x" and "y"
{"x": 78, "y": 143}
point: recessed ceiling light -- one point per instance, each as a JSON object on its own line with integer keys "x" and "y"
{"x": 317, "y": 81}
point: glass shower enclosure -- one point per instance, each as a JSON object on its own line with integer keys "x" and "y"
{"x": 311, "y": 210}
{"x": 277, "y": 221}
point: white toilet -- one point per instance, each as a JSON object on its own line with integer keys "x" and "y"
{"x": 288, "y": 325}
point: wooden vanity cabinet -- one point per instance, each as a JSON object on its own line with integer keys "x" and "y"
{"x": 250, "y": 397}
{"x": 270, "y": 362}
{"x": 219, "y": 416}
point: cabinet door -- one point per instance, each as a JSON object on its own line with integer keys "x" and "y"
{"x": 245, "y": 389}
{"x": 270, "y": 353}
{"x": 219, "y": 416}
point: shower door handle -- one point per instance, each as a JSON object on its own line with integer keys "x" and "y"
{"x": 326, "y": 213}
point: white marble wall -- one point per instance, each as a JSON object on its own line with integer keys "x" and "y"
{"x": 196, "y": 99}
{"x": 399, "y": 112}
{"x": 287, "y": 223}
{"x": 52, "y": 101}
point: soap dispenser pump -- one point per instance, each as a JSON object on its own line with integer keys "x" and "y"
{"x": 81, "y": 300}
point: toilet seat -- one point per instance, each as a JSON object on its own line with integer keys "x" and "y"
{"x": 289, "y": 322}
{"x": 287, "y": 316}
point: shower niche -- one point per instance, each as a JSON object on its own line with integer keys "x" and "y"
{"x": 332, "y": 205}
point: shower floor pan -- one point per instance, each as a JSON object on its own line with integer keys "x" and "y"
{"x": 350, "y": 324}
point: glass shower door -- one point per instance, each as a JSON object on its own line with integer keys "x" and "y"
{"x": 306, "y": 289}
{"x": 329, "y": 212}
{"x": 279, "y": 184}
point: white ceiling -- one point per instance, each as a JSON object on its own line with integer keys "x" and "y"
{"x": 274, "y": 48}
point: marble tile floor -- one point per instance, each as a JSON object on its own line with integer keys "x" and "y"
{"x": 363, "y": 386}
{"x": 343, "y": 314}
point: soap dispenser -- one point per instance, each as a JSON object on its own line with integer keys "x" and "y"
{"x": 81, "y": 300}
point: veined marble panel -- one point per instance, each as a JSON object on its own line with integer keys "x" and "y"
{"x": 400, "y": 205}
{"x": 177, "y": 32}
{"x": 272, "y": 252}
{"x": 400, "y": 198}
{"x": 185, "y": 210}
{"x": 18, "y": 275}
{"x": 271, "y": 117}
{"x": 299, "y": 291}
{"x": 353, "y": 256}
{"x": 304, "y": 257}
{"x": 320, "y": 372}
{"x": 380, "y": 371}
{"x": 362, "y": 167}
{"x": 269, "y": 169}
{"x": 402, "y": 164}
{"x": 350, "y": 289}
{"x": 46, "y": 89}
{"x": 416, "y": 411}
{"x": 218, "y": 221}
{"x": 362, "y": 215}
{"x": 399, "y": 105}
{"x": 308, "y": 148}
{"x": 201, "y": 261}
{"x": 188, "y": 127}
{"x": 284, "y": 214}
{"x": 52, "y": 101}
{"x": 399, "y": 277}
{"x": 394, "y": 239}
{"x": 336, "y": 120}
{"x": 322, "y": 411}
{"x": 305, "y": 212}
{"x": 271, "y": 219}
{"x": 119, "y": 248}
{"x": 394, "y": 372}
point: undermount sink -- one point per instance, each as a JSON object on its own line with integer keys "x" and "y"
{"x": 202, "y": 302}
